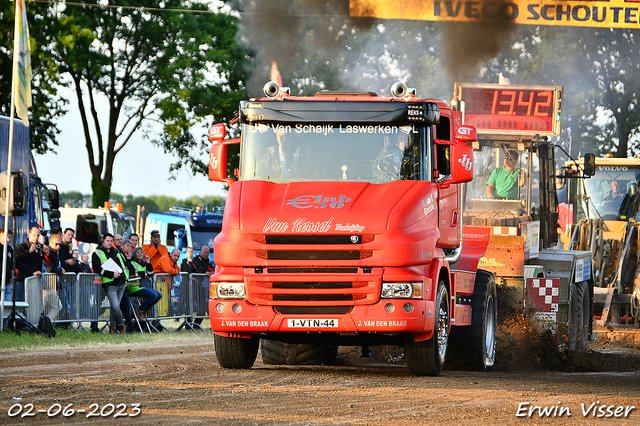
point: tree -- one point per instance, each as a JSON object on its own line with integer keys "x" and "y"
{"x": 75, "y": 199}
{"x": 616, "y": 64}
{"x": 48, "y": 106}
{"x": 156, "y": 66}
{"x": 598, "y": 69}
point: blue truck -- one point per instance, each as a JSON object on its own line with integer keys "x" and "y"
{"x": 41, "y": 199}
{"x": 184, "y": 227}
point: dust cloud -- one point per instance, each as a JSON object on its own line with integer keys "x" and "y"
{"x": 283, "y": 30}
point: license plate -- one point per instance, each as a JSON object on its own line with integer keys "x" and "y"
{"x": 312, "y": 323}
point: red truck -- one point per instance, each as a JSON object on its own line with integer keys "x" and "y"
{"x": 344, "y": 227}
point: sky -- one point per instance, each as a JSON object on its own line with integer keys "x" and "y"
{"x": 140, "y": 169}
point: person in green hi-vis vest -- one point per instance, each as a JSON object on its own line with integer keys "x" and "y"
{"x": 109, "y": 263}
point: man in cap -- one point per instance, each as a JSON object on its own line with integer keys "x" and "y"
{"x": 505, "y": 182}
{"x": 154, "y": 249}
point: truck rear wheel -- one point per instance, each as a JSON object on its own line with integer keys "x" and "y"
{"x": 236, "y": 352}
{"x": 473, "y": 347}
{"x": 426, "y": 358}
{"x": 580, "y": 316}
{"x": 279, "y": 353}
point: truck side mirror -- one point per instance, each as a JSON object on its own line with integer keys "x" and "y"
{"x": 589, "y": 164}
{"x": 53, "y": 198}
{"x": 461, "y": 163}
{"x": 461, "y": 156}
{"x": 218, "y": 161}
{"x": 18, "y": 195}
{"x": 177, "y": 239}
{"x": 217, "y": 133}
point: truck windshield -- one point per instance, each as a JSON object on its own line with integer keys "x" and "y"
{"x": 374, "y": 153}
{"x": 123, "y": 224}
{"x": 612, "y": 193}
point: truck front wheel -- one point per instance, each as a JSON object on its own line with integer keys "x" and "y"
{"x": 426, "y": 358}
{"x": 236, "y": 352}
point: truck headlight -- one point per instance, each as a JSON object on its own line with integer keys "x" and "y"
{"x": 230, "y": 290}
{"x": 401, "y": 291}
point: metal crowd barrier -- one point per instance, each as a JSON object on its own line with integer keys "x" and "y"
{"x": 78, "y": 299}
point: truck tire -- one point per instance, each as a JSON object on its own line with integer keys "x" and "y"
{"x": 473, "y": 347}
{"x": 279, "y": 353}
{"x": 580, "y": 315}
{"x": 236, "y": 352}
{"x": 426, "y": 358}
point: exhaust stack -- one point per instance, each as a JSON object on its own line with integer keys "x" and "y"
{"x": 400, "y": 90}
{"x": 273, "y": 90}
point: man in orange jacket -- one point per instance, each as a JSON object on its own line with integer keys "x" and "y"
{"x": 168, "y": 264}
{"x": 154, "y": 249}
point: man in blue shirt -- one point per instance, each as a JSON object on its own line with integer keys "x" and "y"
{"x": 505, "y": 182}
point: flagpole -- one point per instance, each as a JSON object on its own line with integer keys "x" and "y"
{"x": 6, "y": 207}
{"x": 20, "y": 47}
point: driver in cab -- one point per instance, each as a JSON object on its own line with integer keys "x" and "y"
{"x": 613, "y": 198}
{"x": 387, "y": 164}
{"x": 281, "y": 160}
{"x": 505, "y": 182}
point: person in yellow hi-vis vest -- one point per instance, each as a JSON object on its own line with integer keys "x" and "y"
{"x": 109, "y": 263}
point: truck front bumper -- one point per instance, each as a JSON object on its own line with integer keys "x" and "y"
{"x": 387, "y": 316}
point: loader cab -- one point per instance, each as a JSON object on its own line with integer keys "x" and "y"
{"x": 611, "y": 193}
{"x": 535, "y": 198}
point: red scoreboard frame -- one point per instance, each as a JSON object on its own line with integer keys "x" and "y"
{"x": 516, "y": 110}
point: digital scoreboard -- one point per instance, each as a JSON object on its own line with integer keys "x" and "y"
{"x": 504, "y": 109}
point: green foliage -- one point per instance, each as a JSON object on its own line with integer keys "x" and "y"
{"x": 151, "y": 203}
{"x": 162, "y": 72}
{"x": 48, "y": 106}
{"x": 598, "y": 69}
{"x": 75, "y": 199}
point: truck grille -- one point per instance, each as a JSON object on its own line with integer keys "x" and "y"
{"x": 355, "y": 240}
{"x": 336, "y": 288}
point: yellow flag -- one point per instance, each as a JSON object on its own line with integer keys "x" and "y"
{"x": 22, "y": 63}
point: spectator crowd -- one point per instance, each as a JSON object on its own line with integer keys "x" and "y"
{"x": 125, "y": 270}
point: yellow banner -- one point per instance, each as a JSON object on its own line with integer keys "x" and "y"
{"x": 22, "y": 63}
{"x": 581, "y": 13}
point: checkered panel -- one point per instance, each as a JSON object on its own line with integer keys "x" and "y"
{"x": 505, "y": 230}
{"x": 542, "y": 300}
{"x": 544, "y": 294}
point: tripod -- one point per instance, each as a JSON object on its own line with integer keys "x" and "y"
{"x": 13, "y": 318}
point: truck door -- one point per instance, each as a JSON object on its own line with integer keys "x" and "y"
{"x": 449, "y": 220}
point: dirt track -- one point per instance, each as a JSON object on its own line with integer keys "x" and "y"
{"x": 181, "y": 383}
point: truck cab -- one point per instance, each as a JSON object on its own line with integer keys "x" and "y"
{"x": 40, "y": 199}
{"x": 90, "y": 223}
{"x": 344, "y": 228}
